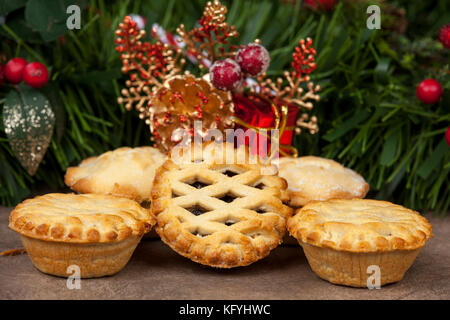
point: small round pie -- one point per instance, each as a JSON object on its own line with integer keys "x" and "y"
{"x": 343, "y": 238}
{"x": 318, "y": 179}
{"x": 97, "y": 233}
{"x": 124, "y": 172}
{"x": 217, "y": 210}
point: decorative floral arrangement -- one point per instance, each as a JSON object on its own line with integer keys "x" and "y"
{"x": 232, "y": 91}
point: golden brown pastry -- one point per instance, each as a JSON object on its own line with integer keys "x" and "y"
{"x": 98, "y": 233}
{"x": 219, "y": 213}
{"x": 312, "y": 178}
{"x": 342, "y": 238}
{"x": 124, "y": 172}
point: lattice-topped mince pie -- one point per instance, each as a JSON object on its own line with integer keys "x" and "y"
{"x": 97, "y": 233}
{"x": 219, "y": 213}
{"x": 124, "y": 172}
{"x": 342, "y": 238}
{"x": 312, "y": 178}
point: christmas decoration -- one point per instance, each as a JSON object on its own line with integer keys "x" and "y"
{"x": 186, "y": 100}
{"x": 357, "y": 109}
{"x": 429, "y": 91}
{"x": 226, "y": 75}
{"x": 210, "y": 42}
{"x": 28, "y": 120}
{"x": 447, "y": 136}
{"x": 166, "y": 98}
{"x": 253, "y": 59}
{"x": 14, "y": 70}
{"x": 292, "y": 96}
{"x": 140, "y": 20}
{"x": 326, "y": 5}
{"x": 35, "y": 75}
{"x": 2, "y": 75}
{"x": 169, "y": 100}
{"x": 444, "y": 35}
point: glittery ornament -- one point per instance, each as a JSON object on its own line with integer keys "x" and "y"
{"x": 226, "y": 75}
{"x": 28, "y": 120}
{"x": 183, "y": 100}
{"x": 253, "y": 59}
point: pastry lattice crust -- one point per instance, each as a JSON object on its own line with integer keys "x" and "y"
{"x": 359, "y": 225}
{"x": 124, "y": 172}
{"x": 312, "y": 178}
{"x": 219, "y": 214}
{"x": 87, "y": 218}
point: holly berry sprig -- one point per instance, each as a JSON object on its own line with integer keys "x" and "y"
{"x": 16, "y": 70}
{"x": 429, "y": 91}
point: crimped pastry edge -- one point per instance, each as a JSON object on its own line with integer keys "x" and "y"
{"x": 189, "y": 246}
{"x": 47, "y": 231}
{"x": 301, "y": 233}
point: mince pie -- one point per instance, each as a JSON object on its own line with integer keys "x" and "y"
{"x": 342, "y": 238}
{"x": 217, "y": 207}
{"x": 124, "y": 172}
{"x": 97, "y": 233}
{"x": 312, "y": 178}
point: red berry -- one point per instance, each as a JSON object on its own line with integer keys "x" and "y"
{"x": 447, "y": 136}
{"x": 253, "y": 59}
{"x": 14, "y": 70}
{"x": 226, "y": 74}
{"x": 2, "y": 75}
{"x": 326, "y": 5}
{"x": 35, "y": 75}
{"x": 444, "y": 35}
{"x": 429, "y": 91}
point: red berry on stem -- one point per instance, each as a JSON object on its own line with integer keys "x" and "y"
{"x": 429, "y": 91}
{"x": 444, "y": 35}
{"x": 14, "y": 70}
{"x": 225, "y": 74}
{"x": 447, "y": 136}
{"x": 35, "y": 75}
{"x": 253, "y": 59}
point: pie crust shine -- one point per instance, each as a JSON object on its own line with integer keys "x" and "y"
{"x": 124, "y": 172}
{"x": 312, "y": 178}
{"x": 87, "y": 218}
{"x": 219, "y": 214}
{"x": 360, "y": 225}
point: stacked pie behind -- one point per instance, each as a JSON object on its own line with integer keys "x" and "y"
{"x": 124, "y": 172}
{"x": 217, "y": 207}
{"x": 312, "y": 178}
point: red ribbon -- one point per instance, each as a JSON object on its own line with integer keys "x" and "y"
{"x": 258, "y": 112}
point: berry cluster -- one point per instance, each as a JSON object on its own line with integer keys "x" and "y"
{"x": 252, "y": 59}
{"x": 34, "y": 74}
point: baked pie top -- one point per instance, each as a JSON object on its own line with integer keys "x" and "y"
{"x": 313, "y": 178}
{"x": 359, "y": 225}
{"x": 216, "y": 213}
{"x": 80, "y": 218}
{"x": 124, "y": 172}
